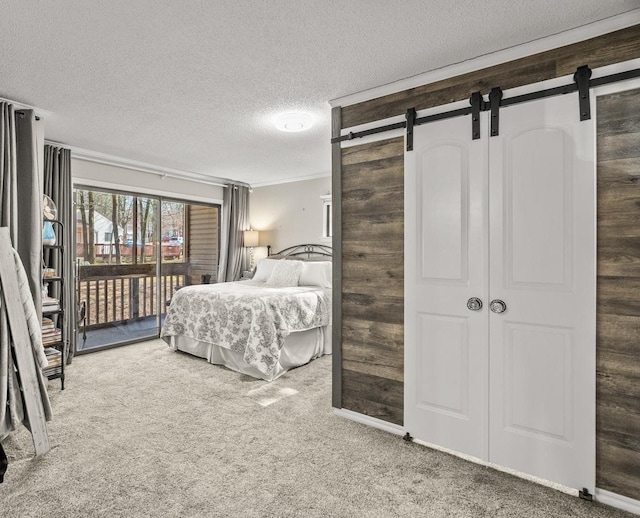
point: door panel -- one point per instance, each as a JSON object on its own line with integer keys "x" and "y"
{"x": 538, "y": 208}
{"x": 444, "y": 366}
{"x": 542, "y": 264}
{"x": 534, "y": 353}
{"x": 446, "y": 355}
{"x": 444, "y": 213}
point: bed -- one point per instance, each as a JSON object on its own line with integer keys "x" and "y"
{"x": 262, "y": 327}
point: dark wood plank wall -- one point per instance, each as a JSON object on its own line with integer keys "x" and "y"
{"x": 372, "y": 261}
{"x": 202, "y": 242}
{"x": 596, "y": 52}
{"x": 371, "y": 372}
{"x": 618, "y": 299}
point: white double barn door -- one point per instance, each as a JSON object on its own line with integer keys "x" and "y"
{"x": 507, "y": 218}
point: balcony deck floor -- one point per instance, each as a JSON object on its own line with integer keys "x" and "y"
{"x": 117, "y": 334}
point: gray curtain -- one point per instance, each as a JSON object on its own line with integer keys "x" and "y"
{"x": 235, "y": 219}
{"x": 57, "y": 185}
{"x": 8, "y": 171}
{"x": 21, "y": 212}
{"x": 21, "y": 191}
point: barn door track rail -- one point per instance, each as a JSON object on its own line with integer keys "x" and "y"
{"x": 582, "y": 83}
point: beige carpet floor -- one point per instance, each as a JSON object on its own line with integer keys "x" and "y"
{"x": 144, "y": 431}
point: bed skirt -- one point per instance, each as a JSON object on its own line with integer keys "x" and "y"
{"x": 299, "y": 348}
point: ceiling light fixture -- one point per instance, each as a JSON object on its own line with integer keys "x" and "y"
{"x": 293, "y": 121}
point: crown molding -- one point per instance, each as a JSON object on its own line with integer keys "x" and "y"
{"x": 554, "y": 41}
{"x": 291, "y": 180}
{"x": 143, "y": 167}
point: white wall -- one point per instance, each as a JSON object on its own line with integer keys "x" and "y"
{"x": 113, "y": 177}
{"x": 288, "y": 214}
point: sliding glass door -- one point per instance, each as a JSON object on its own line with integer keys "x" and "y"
{"x": 133, "y": 252}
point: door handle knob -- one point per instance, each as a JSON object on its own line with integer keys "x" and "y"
{"x": 474, "y": 304}
{"x": 497, "y": 306}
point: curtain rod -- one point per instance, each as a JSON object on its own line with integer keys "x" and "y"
{"x": 97, "y": 158}
{"x": 145, "y": 170}
{"x": 22, "y": 114}
{"x": 87, "y": 155}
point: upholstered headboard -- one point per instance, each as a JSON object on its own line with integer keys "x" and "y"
{"x": 306, "y": 252}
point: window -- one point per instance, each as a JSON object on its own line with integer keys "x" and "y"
{"x": 133, "y": 252}
{"x": 327, "y": 220}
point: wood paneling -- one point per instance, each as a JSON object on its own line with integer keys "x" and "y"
{"x": 603, "y": 50}
{"x": 618, "y": 299}
{"x": 375, "y": 396}
{"x": 372, "y": 288}
{"x": 385, "y": 360}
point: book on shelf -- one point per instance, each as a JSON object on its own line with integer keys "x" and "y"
{"x": 55, "y": 362}
{"x": 50, "y": 304}
{"x": 48, "y": 327}
{"x": 52, "y": 338}
{"x": 47, "y": 324}
{"x": 52, "y": 371}
{"x": 54, "y": 357}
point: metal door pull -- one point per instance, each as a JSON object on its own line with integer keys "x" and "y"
{"x": 498, "y": 306}
{"x": 474, "y": 304}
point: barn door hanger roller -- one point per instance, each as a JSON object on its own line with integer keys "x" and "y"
{"x": 581, "y": 77}
{"x": 478, "y": 104}
{"x": 410, "y": 116}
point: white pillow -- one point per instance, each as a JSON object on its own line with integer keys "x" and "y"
{"x": 316, "y": 273}
{"x": 264, "y": 269}
{"x": 285, "y": 274}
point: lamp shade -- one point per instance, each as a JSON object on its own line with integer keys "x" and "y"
{"x": 251, "y": 238}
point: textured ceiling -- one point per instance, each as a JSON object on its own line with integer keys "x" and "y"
{"x": 193, "y": 85}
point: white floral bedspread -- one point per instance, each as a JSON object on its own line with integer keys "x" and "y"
{"x": 247, "y": 317}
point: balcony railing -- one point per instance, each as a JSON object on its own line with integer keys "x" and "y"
{"x": 105, "y": 252}
{"x": 122, "y": 293}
